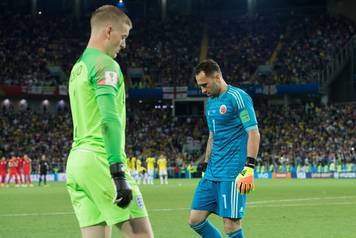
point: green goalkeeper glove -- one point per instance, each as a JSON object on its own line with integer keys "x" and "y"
{"x": 245, "y": 182}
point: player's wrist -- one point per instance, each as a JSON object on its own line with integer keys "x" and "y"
{"x": 250, "y": 162}
{"x": 117, "y": 170}
{"x": 204, "y": 166}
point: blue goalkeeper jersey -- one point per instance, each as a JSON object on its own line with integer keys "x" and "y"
{"x": 230, "y": 116}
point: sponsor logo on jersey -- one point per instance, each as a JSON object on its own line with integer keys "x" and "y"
{"x": 110, "y": 78}
{"x": 223, "y": 109}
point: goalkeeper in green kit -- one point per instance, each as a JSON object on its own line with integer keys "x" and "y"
{"x": 101, "y": 190}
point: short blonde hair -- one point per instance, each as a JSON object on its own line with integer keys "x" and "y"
{"x": 108, "y": 13}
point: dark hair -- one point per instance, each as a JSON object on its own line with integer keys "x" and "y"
{"x": 208, "y": 66}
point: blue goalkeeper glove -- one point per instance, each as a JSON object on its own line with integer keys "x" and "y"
{"x": 123, "y": 189}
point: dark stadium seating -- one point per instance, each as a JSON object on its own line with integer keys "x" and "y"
{"x": 167, "y": 51}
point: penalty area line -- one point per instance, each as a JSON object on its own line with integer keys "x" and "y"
{"x": 257, "y": 204}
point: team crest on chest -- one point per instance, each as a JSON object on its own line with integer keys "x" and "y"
{"x": 223, "y": 109}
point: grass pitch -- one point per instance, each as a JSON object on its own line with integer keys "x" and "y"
{"x": 312, "y": 208}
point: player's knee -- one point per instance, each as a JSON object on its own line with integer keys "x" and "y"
{"x": 231, "y": 225}
{"x": 193, "y": 220}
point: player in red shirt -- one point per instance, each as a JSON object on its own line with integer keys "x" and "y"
{"x": 3, "y": 170}
{"x": 13, "y": 164}
{"x": 19, "y": 169}
{"x": 27, "y": 167}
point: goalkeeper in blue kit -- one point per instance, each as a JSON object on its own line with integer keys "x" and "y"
{"x": 230, "y": 156}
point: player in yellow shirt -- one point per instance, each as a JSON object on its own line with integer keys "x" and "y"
{"x": 162, "y": 165}
{"x": 133, "y": 164}
{"x": 129, "y": 165}
{"x": 150, "y": 161}
{"x": 141, "y": 171}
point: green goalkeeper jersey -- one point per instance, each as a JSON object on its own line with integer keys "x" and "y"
{"x": 93, "y": 75}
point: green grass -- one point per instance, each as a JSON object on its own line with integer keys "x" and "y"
{"x": 277, "y": 209}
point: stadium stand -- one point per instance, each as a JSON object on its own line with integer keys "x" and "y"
{"x": 240, "y": 45}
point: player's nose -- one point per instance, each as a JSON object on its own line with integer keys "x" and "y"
{"x": 123, "y": 45}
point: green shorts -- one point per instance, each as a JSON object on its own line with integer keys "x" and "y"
{"x": 92, "y": 191}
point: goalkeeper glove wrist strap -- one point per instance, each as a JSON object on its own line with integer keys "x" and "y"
{"x": 117, "y": 170}
{"x": 250, "y": 162}
{"x": 204, "y": 166}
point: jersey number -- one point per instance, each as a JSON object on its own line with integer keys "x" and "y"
{"x": 224, "y": 197}
{"x": 214, "y": 126}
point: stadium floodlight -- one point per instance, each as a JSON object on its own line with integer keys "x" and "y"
{"x": 45, "y": 103}
{"x": 121, "y": 5}
{"x": 6, "y": 102}
{"x": 61, "y": 103}
{"x": 23, "y": 102}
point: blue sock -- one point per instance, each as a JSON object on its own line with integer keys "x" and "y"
{"x": 236, "y": 234}
{"x": 206, "y": 230}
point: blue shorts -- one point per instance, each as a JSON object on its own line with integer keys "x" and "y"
{"x": 219, "y": 197}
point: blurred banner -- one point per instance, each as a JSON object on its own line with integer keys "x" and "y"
{"x": 263, "y": 175}
{"x": 164, "y": 92}
{"x": 281, "y": 175}
{"x": 6, "y": 90}
{"x": 174, "y": 92}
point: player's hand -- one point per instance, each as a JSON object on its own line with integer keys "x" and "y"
{"x": 245, "y": 182}
{"x": 123, "y": 189}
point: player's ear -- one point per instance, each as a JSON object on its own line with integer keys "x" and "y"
{"x": 216, "y": 77}
{"x": 108, "y": 31}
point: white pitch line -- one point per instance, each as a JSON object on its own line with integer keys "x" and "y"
{"x": 303, "y": 205}
{"x": 301, "y": 199}
{"x": 36, "y": 214}
{"x": 250, "y": 205}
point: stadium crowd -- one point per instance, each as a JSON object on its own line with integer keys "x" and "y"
{"x": 296, "y": 135}
{"x": 241, "y": 45}
{"x": 165, "y": 52}
{"x": 308, "y": 45}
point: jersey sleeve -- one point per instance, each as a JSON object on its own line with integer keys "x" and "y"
{"x": 111, "y": 127}
{"x": 106, "y": 76}
{"x": 244, "y": 107}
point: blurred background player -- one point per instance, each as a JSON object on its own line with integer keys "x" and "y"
{"x": 141, "y": 172}
{"x": 138, "y": 166}
{"x": 129, "y": 165}
{"x": 20, "y": 169}
{"x": 231, "y": 154}
{"x": 162, "y": 167}
{"x": 150, "y": 162}
{"x": 133, "y": 167}
{"x": 3, "y": 170}
{"x": 143, "y": 175}
{"x": 27, "y": 167}
{"x": 43, "y": 168}
{"x": 13, "y": 163}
